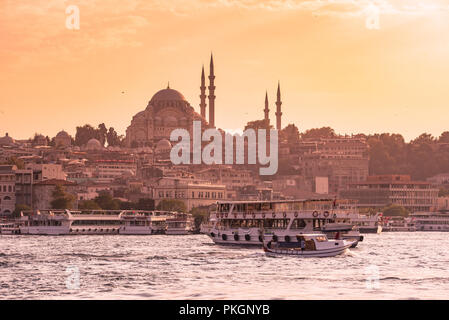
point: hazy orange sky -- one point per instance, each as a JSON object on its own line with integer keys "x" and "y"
{"x": 333, "y": 70}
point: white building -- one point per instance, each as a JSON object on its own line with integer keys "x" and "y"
{"x": 46, "y": 171}
{"x": 193, "y": 193}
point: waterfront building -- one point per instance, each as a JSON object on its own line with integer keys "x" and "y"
{"x": 43, "y": 192}
{"x": 382, "y": 190}
{"x": 46, "y": 171}
{"x": 193, "y": 193}
{"x": 7, "y": 189}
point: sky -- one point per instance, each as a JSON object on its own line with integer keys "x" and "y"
{"x": 358, "y": 66}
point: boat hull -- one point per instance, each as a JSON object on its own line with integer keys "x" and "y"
{"x": 308, "y": 254}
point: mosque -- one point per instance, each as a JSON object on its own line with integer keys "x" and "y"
{"x": 168, "y": 110}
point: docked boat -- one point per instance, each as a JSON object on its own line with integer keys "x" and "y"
{"x": 368, "y": 223}
{"x": 179, "y": 224}
{"x": 95, "y": 222}
{"x": 143, "y": 222}
{"x": 398, "y": 224}
{"x": 252, "y": 222}
{"x": 9, "y": 228}
{"x": 309, "y": 245}
{"x": 431, "y": 221}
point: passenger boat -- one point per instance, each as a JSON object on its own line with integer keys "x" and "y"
{"x": 398, "y": 224}
{"x": 431, "y": 221}
{"x": 9, "y": 228}
{"x": 368, "y": 223}
{"x": 179, "y": 224}
{"x": 252, "y": 222}
{"x": 95, "y": 222}
{"x": 309, "y": 245}
{"x": 143, "y": 222}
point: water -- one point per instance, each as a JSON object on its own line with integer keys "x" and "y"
{"x": 386, "y": 266}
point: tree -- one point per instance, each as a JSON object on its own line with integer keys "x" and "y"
{"x": 394, "y": 210}
{"x": 324, "y": 132}
{"x": 15, "y": 162}
{"x": 106, "y": 202}
{"x": 113, "y": 138}
{"x": 61, "y": 198}
{"x": 171, "y": 205}
{"x": 444, "y": 138}
{"x": 84, "y": 134}
{"x": 88, "y": 205}
{"x": 19, "y": 208}
{"x": 102, "y": 133}
{"x": 258, "y": 124}
{"x": 200, "y": 215}
{"x": 145, "y": 204}
{"x": 291, "y": 133}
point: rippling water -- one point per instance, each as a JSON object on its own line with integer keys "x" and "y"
{"x": 401, "y": 266}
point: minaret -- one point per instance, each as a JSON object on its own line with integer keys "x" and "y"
{"x": 266, "y": 110}
{"x": 278, "y": 109}
{"x": 203, "y": 95}
{"x": 211, "y": 94}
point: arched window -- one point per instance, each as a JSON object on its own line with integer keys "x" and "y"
{"x": 9, "y": 189}
{"x": 7, "y": 198}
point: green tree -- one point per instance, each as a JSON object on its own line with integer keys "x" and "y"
{"x": 172, "y": 205}
{"x": 258, "y": 124}
{"x": 61, "y": 198}
{"x": 107, "y": 202}
{"x": 113, "y": 138}
{"x": 19, "y": 208}
{"x": 145, "y": 204}
{"x": 291, "y": 133}
{"x": 200, "y": 215}
{"x": 88, "y": 205}
{"x": 15, "y": 162}
{"x": 324, "y": 132}
{"x": 394, "y": 210}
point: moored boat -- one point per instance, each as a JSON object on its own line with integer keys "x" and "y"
{"x": 309, "y": 245}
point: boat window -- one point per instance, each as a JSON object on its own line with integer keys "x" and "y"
{"x": 298, "y": 224}
{"x": 321, "y": 239}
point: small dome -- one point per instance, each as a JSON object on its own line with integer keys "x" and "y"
{"x": 163, "y": 146}
{"x": 62, "y": 134}
{"x": 93, "y": 144}
{"x": 6, "y": 140}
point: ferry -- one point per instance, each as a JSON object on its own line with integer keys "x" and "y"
{"x": 398, "y": 224}
{"x": 309, "y": 245}
{"x": 431, "y": 221}
{"x": 143, "y": 222}
{"x": 179, "y": 224}
{"x": 368, "y": 223}
{"x": 95, "y": 222}
{"x": 252, "y": 222}
{"x": 9, "y": 228}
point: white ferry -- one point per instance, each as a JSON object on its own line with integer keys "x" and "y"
{"x": 9, "y": 228}
{"x": 431, "y": 221}
{"x": 143, "y": 222}
{"x": 252, "y": 222}
{"x": 368, "y": 223}
{"x": 67, "y": 222}
{"x": 398, "y": 224}
{"x": 179, "y": 224}
{"x": 309, "y": 245}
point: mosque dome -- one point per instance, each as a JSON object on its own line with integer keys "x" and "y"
{"x": 6, "y": 140}
{"x": 163, "y": 146}
{"x": 166, "y": 95}
{"x": 93, "y": 144}
{"x": 62, "y": 134}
